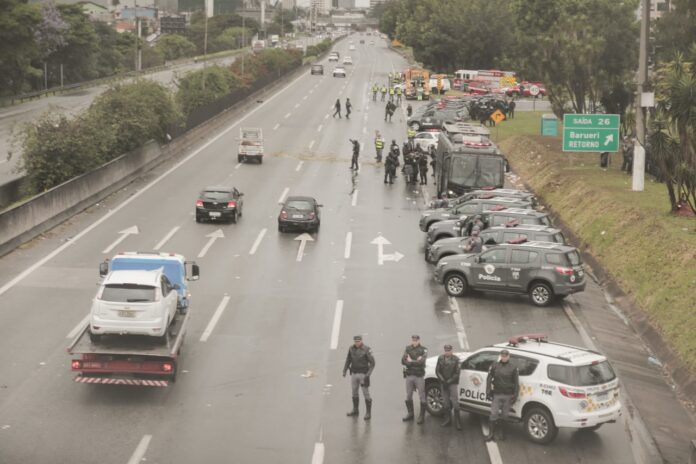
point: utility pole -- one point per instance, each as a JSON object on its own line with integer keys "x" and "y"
{"x": 243, "y": 44}
{"x": 139, "y": 58}
{"x": 639, "y": 144}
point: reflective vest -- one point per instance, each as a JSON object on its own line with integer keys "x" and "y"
{"x": 375, "y": 88}
{"x": 411, "y": 133}
{"x": 398, "y": 90}
{"x": 391, "y": 91}
{"x": 384, "y": 89}
{"x": 379, "y": 143}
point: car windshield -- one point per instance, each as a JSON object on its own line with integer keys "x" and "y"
{"x": 473, "y": 171}
{"x": 545, "y": 220}
{"x": 215, "y": 195}
{"x": 559, "y": 238}
{"x": 129, "y": 293}
{"x": 299, "y": 204}
{"x": 582, "y": 376}
{"x": 574, "y": 258}
{"x": 174, "y": 270}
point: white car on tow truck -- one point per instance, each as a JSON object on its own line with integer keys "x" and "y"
{"x": 560, "y": 386}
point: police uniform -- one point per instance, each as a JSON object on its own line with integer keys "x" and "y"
{"x": 360, "y": 363}
{"x": 375, "y": 89}
{"x": 447, "y": 371}
{"x": 384, "y": 92}
{"x": 423, "y": 168}
{"x": 411, "y": 133}
{"x": 349, "y": 107}
{"x": 503, "y": 384}
{"x": 356, "y": 153}
{"x": 413, "y": 361}
{"x": 398, "y": 95}
{"x": 379, "y": 146}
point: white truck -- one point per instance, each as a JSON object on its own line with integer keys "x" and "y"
{"x": 250, "y": 144}
{"x": 275, "y": 40}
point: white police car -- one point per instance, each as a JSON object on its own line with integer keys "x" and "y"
{"x": 560, "y": 386}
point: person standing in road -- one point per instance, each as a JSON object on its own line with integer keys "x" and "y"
{"x": 356, "y": 153}
{"x": 375, "y": 89}
{"x": 409, "y": 110}
{"x": 337, "y": 109}
{"x": 398, "y": 95}
{"x": 384, "y": 92}
{"x": 379, "y": 146}
{"x": 360, "y": 363}
{"x": 349, "y": 107}
{"x": 503, "y": 386}
{"x": 413, "y": 361}
{"x": 392, "y": 92}
{"x": 447, "y": 371}
{"x": 423, "y": 168}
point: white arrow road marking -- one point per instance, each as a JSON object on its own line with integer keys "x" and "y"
{"x": 349, "y": 242}
{"x": 283, "y": 195}
{"x": 380, "y": 241}
{"x": 213, "y": 236}
{"x": 354, "y": 200}
{"x": 336, "y": 328}
{"x": 304, "y": 238}
{"x": 257, "y": 242}
{"x": 166, "y": 238}
{"x": 124, "y": 233}
{"x": 216, "y": 317}
{"x": 139, "y": 452}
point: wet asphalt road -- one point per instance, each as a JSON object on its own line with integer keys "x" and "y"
{"x": 266, "y": 386}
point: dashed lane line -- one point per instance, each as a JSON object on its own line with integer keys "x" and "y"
{"x": 458, "y": 324}
{"x": 276, "y": 126}
{"x": 216, "y": 317}
{"x": 257, "y": 242}
{"x": 299, "y": 166}
{"x": 311, "y": 144}
{"x": 354, "y": 199}
{"x": 349, "y": 242}
{"x": 166, "y": 238}
{"x": 238, "y": 165}
{"x": 336, "y": 327}
{"x": 140, "y": 451}
{"x": 287, "y": 115}
{"x": 321, "y": 126}
{"x": 281, "y": 199}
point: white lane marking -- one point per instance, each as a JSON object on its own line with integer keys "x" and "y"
{"x": 303, "y": 239}
{"x": 305, "y": 97}
{"x": 457, "y": 315}
{"x": 349, "y": 241}
{"x": 354, "y": 200}
{"x": 336, "y": 328}
{"x": 212, "y": 236}
{"x": 23, "y": 275}
{"x": 326, "y": 116}
{"x": 78, "y": 328}
{"x": 216, "y": 317}
{"x": 364, "y": 130}
{"x": 139, "y": 452}
{"x": 297, "y": 105}
{"x": 491, "y": 446}
{"x": 276, "y": 126}
{"x": 238, "y": 165}
{"x": 166, "y": 238}
{"x": 133, "y": 230}
{"x": 283, "y": 195}
{"x": 311, "y": 144}
{"x": 318, "y": 455}
{"x": 589, "y": 343}
{"x": 257, "y": 242}
{"x": 321, "y": 126}
{"x": 287, "y": 115}
{"x": 299, "y": 165}
{"x": 311, "y": 90}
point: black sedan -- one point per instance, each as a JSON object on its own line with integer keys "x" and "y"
{"x": 299, "y": 213}
{"x": 219, "y": 204}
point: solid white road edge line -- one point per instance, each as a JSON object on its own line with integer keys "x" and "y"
{"x": 491, "y": 446}
{"x": 282, "y": 195}
{"x": 23, "y": 275}
{"x": 336, "y": 328}
{"x": 257, "y": 242}
{"x": 216, "y": 317}
{"x": 457, "y": 316}
{"x": 354, "y": 200}
{"x": 299, "y": 165}
{"x": 139, "y": 452}
{"x": 349, "y": 241}
{"x": 318, "y": 455}
{"x": 166, "y": 238}
{"x": 73, "y": 333}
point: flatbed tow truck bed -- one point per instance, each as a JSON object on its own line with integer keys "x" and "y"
{"x": 128, "y": 359}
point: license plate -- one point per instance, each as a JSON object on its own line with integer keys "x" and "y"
{"x": 123, "y": 313}
{"x": 602, "y": 396}
{"x": 214, "y": 214}
{"x": 297, "y": 216}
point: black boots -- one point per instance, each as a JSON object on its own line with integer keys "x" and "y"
{"x": 457, "y": 421}
{"x": 448, "y": 419}
{"x": 421, "y": 414}
{"x": 500, "y": 432}
{"x": 409, "y": 413}
{"x": 368, "y": 409}
{"x": 354, "y": 412}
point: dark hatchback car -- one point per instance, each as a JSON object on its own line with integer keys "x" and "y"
{"x": 299, "y": 213}
{"x": 219, "y": 204}
{"x": 317, "y": 69}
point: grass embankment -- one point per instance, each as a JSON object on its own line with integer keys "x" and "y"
{"x": 650, "y": 253}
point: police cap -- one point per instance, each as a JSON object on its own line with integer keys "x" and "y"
{"x": 357, "y": 338}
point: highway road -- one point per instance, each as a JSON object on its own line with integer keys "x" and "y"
{"x": 261, "y": 370}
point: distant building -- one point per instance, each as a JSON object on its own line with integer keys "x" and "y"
{"x": 288, "y": 4}
{"x": 374, "y": 3}
{"x": 97, "y": 11}
{"x": 659, "y": 7}
{"x": 322, "y": 6}
{"x": 173, "y": 25}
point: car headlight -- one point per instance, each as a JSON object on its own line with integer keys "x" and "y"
{"x": 425, "y": 215}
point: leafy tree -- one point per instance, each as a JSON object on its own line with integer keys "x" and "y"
{"x": 18, "y": 23}
{"x": 79, "y": 52}
{"x": 231, "y": 38}
{"x": 174, "y": 46}
{"x": 676, "y": 30}
{"x": 216, "y": 26}
{"x": 116, "y": 51}
{"x": 204, "y": 86}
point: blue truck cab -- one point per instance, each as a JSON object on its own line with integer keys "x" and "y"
{"x": 175, "y": 267}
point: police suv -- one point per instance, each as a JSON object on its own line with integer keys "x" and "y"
{"x": 543, "y": 270}
{"x": 560, "y": 386}
{"x": 473, "y": 206}
{"x": 484, "y": 193}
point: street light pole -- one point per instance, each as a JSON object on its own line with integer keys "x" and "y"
{"x": 639, "y": 144}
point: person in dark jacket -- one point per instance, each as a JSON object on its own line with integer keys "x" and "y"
{"x": 337, "y": 109}
{"x": 349, "y": 107}
{"x": 413, "y": 361}
{"x": 503, "y": 386}
{"x": 447, "y": 371}
{"x": 423, "y": 168}
{"x": 360, "y": 362}
{"x": 356, "y": 154}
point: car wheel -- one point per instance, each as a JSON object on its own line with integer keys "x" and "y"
{"x": 455, "y": 284}
{"x": 240, "y": 158}
{"x": 539, "y": 426}
{"x": 281, "y": 229}
{"x": 415, "y": 126}
{"x": 234, "y": 217}
{"x": 434, "y": 402}
{"x": 94, "y": 338}
{"x": 260, "y": 159}
{"x": 540, "y": 294}
{"x": 198, "y": 219}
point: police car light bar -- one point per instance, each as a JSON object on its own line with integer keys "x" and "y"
{"x": 539, "y": 338}
{"x": 498, "y": 208}
{"x": 518, "y": 240}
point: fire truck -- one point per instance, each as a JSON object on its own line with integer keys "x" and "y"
{"x": 417, "y": 84}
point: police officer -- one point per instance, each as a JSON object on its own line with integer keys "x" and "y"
{"x": 349, "y": 107}
{"x": 337, "y": 109}
{"x": 384, "y": 92}
{"x": 423, "y": 168}
{"x": 503, "y": 385}
{"x": 476, "y": 224}
{"x": 391, "y": 93}
{"x": 375, "y": 89}
{"x": 398, "y": 96}
{"x": 356, "y": 153}
{"x": 474, "y": 244}
{"x": 409, "y": 110}
{"x": 379, "y": 146}
{"x": 410, "y": 133}
{"x": 413, "y": 361}
{"x": 360, "y": 363}
{"x": 447, "y": 371}
{"x": 390, "y": 165}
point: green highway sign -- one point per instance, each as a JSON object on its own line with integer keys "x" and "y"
{"x": 591, "y": 132}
